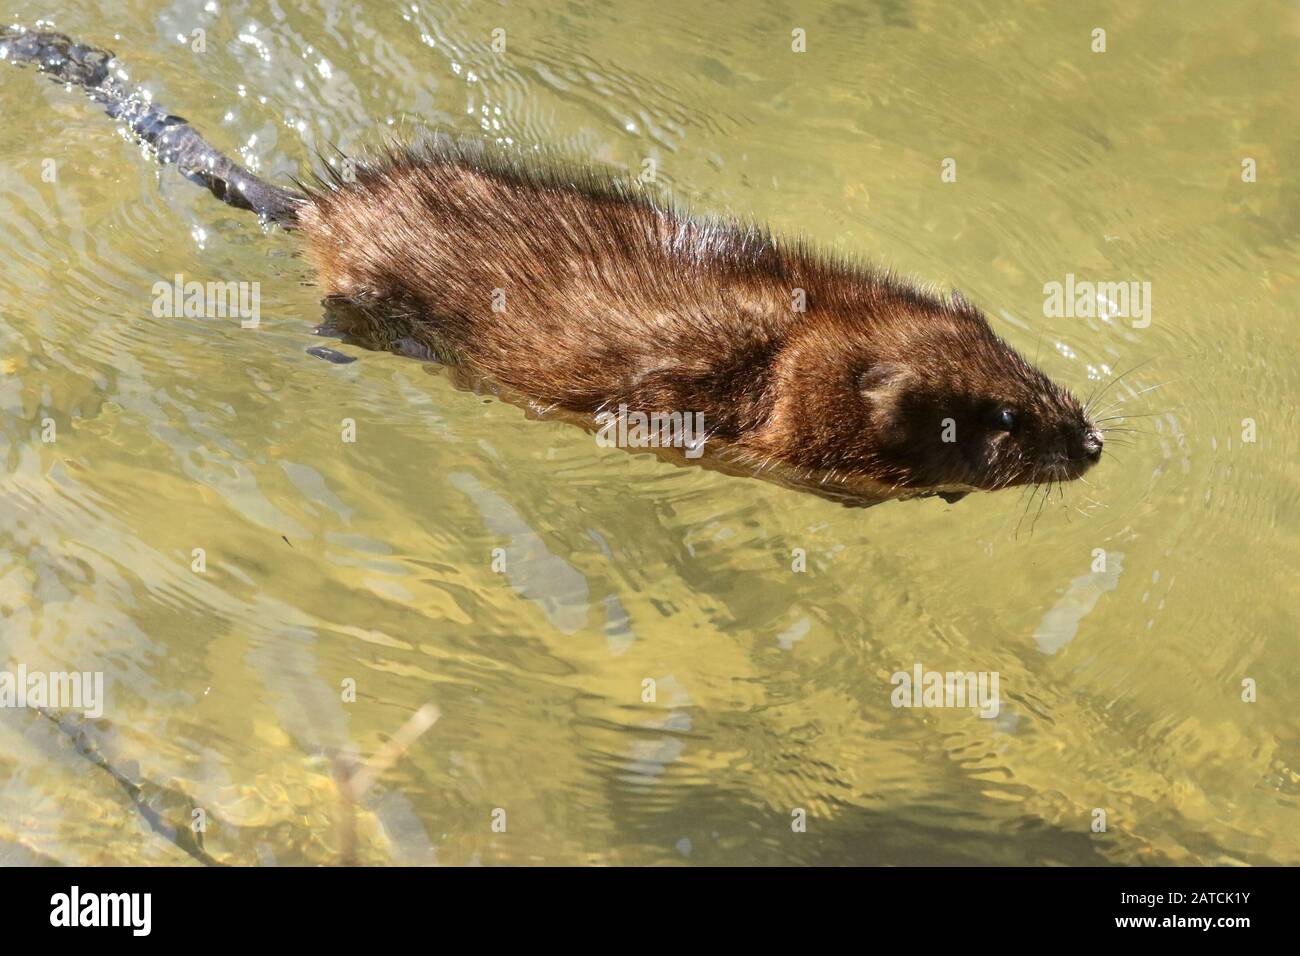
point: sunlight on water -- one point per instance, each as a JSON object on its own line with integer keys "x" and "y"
{"x": 637, "y": 663}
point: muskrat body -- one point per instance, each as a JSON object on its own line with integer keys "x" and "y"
{"x": 584, "y": 297}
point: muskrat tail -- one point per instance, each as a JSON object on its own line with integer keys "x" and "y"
{"x": 172, "y": 138}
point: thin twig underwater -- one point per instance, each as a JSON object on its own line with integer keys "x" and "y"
{"x": 355, "y": 782}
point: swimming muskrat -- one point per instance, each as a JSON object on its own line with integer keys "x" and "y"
{"x": 581, "y": 297}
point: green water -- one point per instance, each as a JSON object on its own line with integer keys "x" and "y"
{"x": 372, "y": 561}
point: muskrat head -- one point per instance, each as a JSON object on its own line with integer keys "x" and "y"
{"x": 963, "y": 410}
{"x": 930, "y": 399}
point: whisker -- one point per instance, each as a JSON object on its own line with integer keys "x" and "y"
{"x": 1097, "y": 421}
{"x": 1129, "y": 371}
{"x": 1152, "y": 388}
{"x": 1034, "y": 524}
{"x": 1033, "y": 490}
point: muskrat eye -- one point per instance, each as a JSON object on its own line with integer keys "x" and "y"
{"x": 1005, "y": 419}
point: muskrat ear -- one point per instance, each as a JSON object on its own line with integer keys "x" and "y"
{"x": 882, "y": 383}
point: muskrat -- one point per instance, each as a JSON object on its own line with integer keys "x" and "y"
{"x": 581, "y": 296}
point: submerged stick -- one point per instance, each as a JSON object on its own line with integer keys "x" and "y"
{"x": 353, "y": 784}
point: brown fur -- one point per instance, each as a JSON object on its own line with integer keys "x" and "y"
{"x": 612, "y": 299}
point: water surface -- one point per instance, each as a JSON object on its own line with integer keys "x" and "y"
{"x": 379, "y": 561}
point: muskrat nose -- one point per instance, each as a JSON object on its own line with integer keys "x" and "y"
{"x": 1092, "y": 442}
